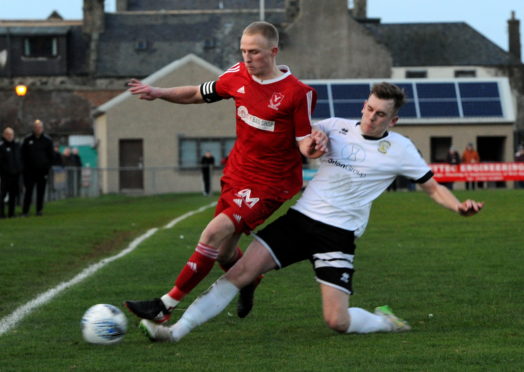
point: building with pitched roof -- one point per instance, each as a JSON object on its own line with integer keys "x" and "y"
{"x": 73, "y": 68}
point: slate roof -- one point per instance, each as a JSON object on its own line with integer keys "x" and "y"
{"x": 167, "y": 37}
{"x": 138, "y": 5}
{"x": 438, "y": 44}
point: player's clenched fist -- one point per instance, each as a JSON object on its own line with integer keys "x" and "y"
{"x": 470, "y": 207}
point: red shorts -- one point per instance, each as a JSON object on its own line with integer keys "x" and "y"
{"x": 248, "y": 206}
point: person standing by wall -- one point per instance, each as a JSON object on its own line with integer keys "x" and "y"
{"x": 519, "y": 157}
{"x": 470, "y": 156}
{"x": 207, "y": 162}
{"x": 10, "y": 170}
{"x": 77, "y": 163}
{"x": 453, "y": 158}
{"x": 37, "y": 157}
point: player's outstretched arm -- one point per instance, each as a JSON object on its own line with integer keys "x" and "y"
{"x": 444, "y": 197}
{"x": 315, "y": 145}
{"x": 184, "y": 94}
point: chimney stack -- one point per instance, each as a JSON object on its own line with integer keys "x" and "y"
{"x": 514, "y": 36}
{"x": 121, "y": 5}
{"x": 93, "y": 16}
{"x": 359, "y": 10}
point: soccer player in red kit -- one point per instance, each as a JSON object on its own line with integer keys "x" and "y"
{"x": 264, "y": 168}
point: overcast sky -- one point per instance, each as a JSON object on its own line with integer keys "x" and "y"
{"x": 486, "y": 16}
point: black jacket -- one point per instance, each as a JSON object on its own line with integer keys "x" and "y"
{"x": 10, "y": 157}
{"x": 37, "y": 153}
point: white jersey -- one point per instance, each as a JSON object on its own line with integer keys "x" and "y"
{"x": 355, "y": 171}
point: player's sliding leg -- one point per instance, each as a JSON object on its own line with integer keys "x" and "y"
{"x": 219, "y": 230}
{"x": 256, "y": 260}
{"x": 342, "y": 319}
{"x": 246, "y": 295}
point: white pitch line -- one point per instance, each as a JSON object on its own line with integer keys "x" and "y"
{"x": 21, "y": 312}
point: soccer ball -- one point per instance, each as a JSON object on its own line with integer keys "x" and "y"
{"x": 103, "y": 324}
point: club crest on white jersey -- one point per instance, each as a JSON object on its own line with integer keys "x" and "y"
{"x": 383, "y": 146}
{"x": 245, "y": 196}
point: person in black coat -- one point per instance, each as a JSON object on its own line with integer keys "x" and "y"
{"x": 207, "y": 162}
{"x": 10, "y": 170}
{"x": 37, "y": 158}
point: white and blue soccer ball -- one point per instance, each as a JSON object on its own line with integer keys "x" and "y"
{"x": 103, "y": 324}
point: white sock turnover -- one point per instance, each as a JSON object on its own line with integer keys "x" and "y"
{"x": 362, "y": 321}
{"x": 169, "y": 302}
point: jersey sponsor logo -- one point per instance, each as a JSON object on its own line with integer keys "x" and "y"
{"x": 345, "y": 277}
{"x": 353, "y": 152}
{"x": 275, "y": 101}
{"x": 245, "y": 196}
{"x": 347, "y": 167}
{"x": 254, "y": 121}
{"x": 383, "y": 146}
{"x": 242, "y": 90}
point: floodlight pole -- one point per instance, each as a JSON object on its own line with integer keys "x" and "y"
{"x": 262, "y": 10}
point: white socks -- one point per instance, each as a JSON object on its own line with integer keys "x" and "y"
{"x": 169, "y": 302}
{"x": 205, "y": 307}
{"x": 362, "y": 321}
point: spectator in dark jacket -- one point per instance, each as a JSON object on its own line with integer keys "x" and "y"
{"x": 37, "y": 157}
{"x": 10, "y": 170}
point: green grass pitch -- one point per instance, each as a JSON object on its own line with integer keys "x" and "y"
{"x": 458, "y": 281}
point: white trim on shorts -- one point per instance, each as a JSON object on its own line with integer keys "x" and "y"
{"x": 265, "y": 245}
{"x": 333, "y": 285}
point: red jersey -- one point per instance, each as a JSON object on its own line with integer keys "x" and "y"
{"x": 270, "y": 117}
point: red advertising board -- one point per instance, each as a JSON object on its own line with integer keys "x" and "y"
{"x": 478, "y": 172}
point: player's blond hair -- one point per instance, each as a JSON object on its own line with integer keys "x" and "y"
{"x": 265, "y": 29}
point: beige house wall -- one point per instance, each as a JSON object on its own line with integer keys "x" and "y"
{"x": 160, "y": 124}
{"x": 460, "y": 134}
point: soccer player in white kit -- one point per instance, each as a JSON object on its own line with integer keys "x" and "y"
{"x": 362, "y": 160}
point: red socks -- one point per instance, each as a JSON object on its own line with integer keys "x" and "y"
{"x": 197, "y": 267}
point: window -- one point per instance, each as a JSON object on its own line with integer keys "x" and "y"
{"x": 192, "y": 149}
{"x": 40, "y": 47}
{"x": 439, "y": 149}
{"x": 416, "y": 74}
{"x": 465, "y": 73}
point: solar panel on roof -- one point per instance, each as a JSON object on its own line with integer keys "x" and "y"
{"x": 322, "y": 111}
{"x": 439, "y": 109}
{"x": 469, "y": 90}
{"x": 425, "y": 99}
{"x": 482, "y": 108}
{"x": 350, "y": 91}
{"x": 436, "y": 90}
{"x": 408, "y": 90}
{"x": 408, "y": 110}
{"x": 348, "y": 110}
{"x": 321, "y": 90}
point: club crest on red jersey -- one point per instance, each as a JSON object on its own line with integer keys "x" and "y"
{"x": 276, "y": 100}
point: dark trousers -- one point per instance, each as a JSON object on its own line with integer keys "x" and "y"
{"x": 207, "y": 180}
{"x": 31, "y": 179}
{"x": 9, "y": 185}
